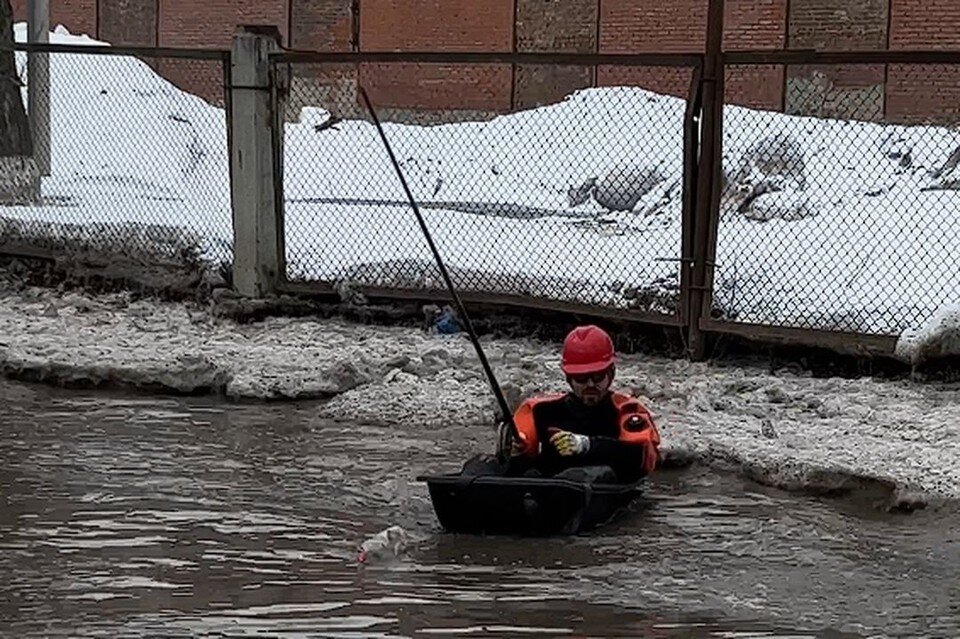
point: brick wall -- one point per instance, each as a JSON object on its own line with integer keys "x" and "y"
{"x": 202, "y": 78}
{"x": 757, "y": 86}
{"x": 321, "y": 25}
{"x": 129, "y": 22}
{"x": 902, "y": 92}
{"x": 840, "y": 91}
{"x": 653, "y": 26}
{"x": 924, "y": 92}
{"x": 209, "y": 24}
{"x": 568, "y": 27}
{"x": 436, "y": 25}
{"x": 330, "y": 86}
{"x": 667, "y": 80}
{"x": 754, "y": 24}
{"x": 78, "y": 16}
{"x": 212, "y": 23}
{"x": 924, "y": 24}
{"x": 837, "y": 91}
{"x": 838, "y": 25}
{"x": 537, "y": 85}
{"x": 438, "y": 86}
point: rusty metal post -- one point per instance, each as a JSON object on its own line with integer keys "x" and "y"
{"x": 708, "y": 181}
{"x": 691, "y": 160}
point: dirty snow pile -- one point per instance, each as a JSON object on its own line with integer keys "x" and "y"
{"x": 785, "y": 428}
{"x": 830, "y": 224}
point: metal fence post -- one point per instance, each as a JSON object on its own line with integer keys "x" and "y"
{"x": 710, "y": 172}
{"x": 255, "y": 228}
{"x": 38, "y": 78}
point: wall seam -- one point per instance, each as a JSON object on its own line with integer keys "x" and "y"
{"x": 886, "y": 67}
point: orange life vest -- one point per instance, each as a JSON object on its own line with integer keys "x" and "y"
{"x": 641, "y": 431}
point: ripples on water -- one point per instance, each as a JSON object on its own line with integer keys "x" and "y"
{"x": 158, "y": 517}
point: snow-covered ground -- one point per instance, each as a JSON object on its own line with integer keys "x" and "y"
{"x": 784, "y": 428}
{"x": 830, "y": 224}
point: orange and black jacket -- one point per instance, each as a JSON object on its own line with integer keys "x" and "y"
{"x": 621, "y": 430}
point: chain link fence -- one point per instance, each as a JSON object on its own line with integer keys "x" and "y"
{"x": 578, "y": 198}
{"x": 139, "y": 162}
{"x": 840, "y": 214}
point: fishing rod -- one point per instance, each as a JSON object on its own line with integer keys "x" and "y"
{"x": 502, "y": 445}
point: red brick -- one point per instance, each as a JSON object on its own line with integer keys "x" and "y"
{"x": 203, "y": 78}
{"x": 923, "y": 93}
{"x": 838, "y": 25}
{"x": 128, "y": 22}
{"x": 438, "y": 86}
{"x": 321, "y": 25}
{"x": 924, "y": 24}
{"x": 212, "y": 23}
{"x": 537, "y": 84}
{"x": 568, "y": 27}
{"x": 754, "y": 24}
{"x": 436, "y": 25}
{"x": 758, "y": 87}
{"x": 853, "y": 92}
{"x": 653, "y": 26}
{"x": 666, "y": 80}
{"x": 330, "y": 86}
{"x": 78, "y": 16}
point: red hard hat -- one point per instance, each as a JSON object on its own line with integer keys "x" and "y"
{"x": 587, "y": 349}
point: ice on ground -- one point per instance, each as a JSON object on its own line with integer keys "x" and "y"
{"x": 785, "y": 428}
{"x": 936, "y": 338}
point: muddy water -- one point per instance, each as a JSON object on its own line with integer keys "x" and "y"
{"x": 142, "y": 516}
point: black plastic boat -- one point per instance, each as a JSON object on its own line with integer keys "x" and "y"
{"x": 530, "y": 506}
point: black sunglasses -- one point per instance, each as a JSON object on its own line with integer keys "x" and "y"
{"x": 586, "y": 378}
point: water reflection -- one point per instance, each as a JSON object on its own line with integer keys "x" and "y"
{"x": 140, "y": 516}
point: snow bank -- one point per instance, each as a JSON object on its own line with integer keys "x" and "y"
{"x": 130, "y": 148}
{"x": 938, "y": 337}
{"x": 785, "y": 429}
{"x": 826, "y": 224}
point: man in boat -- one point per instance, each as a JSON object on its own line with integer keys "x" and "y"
{"x": 590, "y": 425}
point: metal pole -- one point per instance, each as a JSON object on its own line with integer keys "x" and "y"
{"x": 38, "y": 78}
{"x": 711, "y": 152}
{"x": 507, "y": 417}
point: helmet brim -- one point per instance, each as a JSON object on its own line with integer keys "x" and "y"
{"x": 592, "y": 367}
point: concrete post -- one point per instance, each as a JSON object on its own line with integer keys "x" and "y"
{"x": 38, "y": 78}
{"x": 256, "y": 243}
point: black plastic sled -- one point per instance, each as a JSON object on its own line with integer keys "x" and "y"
{"x": 526, "y": 506}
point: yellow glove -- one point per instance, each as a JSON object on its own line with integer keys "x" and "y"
{"x": 567, "y": 443}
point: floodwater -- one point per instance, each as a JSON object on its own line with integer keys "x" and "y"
{"x": 141, "y": 516}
